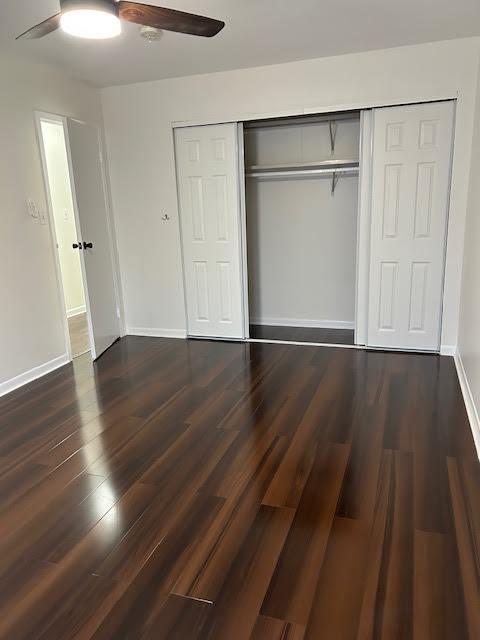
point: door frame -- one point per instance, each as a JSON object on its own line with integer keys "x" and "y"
{"x": 363, "y": 227}
{"x": 44, "y": 116}
{"x": 243, "y": 230}
{"x": 41, "y": 116}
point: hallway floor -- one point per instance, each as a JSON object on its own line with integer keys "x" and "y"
{"x": 79, "y": 338}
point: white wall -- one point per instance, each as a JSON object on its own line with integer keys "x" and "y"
{"x": 469, "y": 331}
{"x": 302, "y": 240}
{"x": 140, "y": 145}
{"x": 31, "y": 332}
{"x": 63, "y": 214}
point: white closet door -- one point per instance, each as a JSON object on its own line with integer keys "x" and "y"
{"x": 208, "y": 186}
{"x": 83, "y": 143}
{"x": 410, "y": 189}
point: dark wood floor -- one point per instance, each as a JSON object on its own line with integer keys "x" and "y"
{"x": 188, "y": 490}
{"x": 303, "y": 334}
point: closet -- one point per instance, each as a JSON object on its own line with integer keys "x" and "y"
{"x": 325, "y": 229}
{"x": 301, "y": 217}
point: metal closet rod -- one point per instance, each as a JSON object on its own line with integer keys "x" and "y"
{"x": 298, "y": 173}
{"x": 308, "y": 173}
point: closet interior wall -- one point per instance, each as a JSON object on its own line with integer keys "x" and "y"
{"x": 301, "y": 237}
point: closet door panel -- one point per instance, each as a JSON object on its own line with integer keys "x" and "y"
{"x": 208, "y": 187}
{"x": 410, "y": 188}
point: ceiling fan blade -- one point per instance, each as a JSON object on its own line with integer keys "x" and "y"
{"x": 169, "y": 19}
{"x": 42, "y": 29}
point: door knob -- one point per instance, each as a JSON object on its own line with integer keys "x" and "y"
{"x": 76, "y": 245}
{"x": 88, "y": 245}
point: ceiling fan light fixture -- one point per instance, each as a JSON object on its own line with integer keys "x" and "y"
{"x": 95, "y": 24}
{"x": 99, "y": 19}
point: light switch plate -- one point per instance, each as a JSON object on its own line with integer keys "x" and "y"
{"x": 32, "y": 208}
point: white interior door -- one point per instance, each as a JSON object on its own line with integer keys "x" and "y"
{"x": 208, "y": 188}
{"x": 88, "y": 184}
{"x": 410, "y": 190}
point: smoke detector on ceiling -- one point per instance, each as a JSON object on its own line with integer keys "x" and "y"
{"x": 150, "y": 34}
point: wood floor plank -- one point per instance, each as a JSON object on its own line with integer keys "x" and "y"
{"x": 40, "y": 443}
{"x": 45, "y": 503}
{"x": 272, "y": 629}
{"x": 142, "y": 602}
{"x": 65, "y": 622}
{"x": 179, "y": 618}
{"x": 288, "y": 483}
{"x": 341, "y": 581}
{"x": 20, "y": 479}
{"x": 170, "y": 505}
{"x": 468, "y": 537}
{"x": 210, "y": 563}
{"x": 431, "y": 606}
{"x": 291, "y": 590}
{"x": 74, "y": 555}
{"x": 234, "y": 613}
{"x": 360, "y": 483}
{"x": 293, "y": 409}
{"x": 387, "y": 609}
{"x": 397, "y": 433}
{"x": 242, "y": 458}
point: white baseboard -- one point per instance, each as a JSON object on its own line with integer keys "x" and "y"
{"x": 33, "y": 374}
{"x": 298, "y": 322}
{"x": 156, "y": 333}
{"x": 76, "y": 311}
{"x": 448, "y": 350}
{"x": 472, "y": 411}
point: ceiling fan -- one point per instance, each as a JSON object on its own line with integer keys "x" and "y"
{"x": 99, "y": 19}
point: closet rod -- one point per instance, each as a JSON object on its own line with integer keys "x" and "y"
{"x": 330, "y": 163}
{"x": 302, "y": 173}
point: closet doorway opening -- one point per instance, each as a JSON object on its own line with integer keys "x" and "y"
{"x": 66, "y": 235}
{"x": 301, "y": 209}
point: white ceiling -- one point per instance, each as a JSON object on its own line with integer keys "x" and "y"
{"x": 257, "y": 32}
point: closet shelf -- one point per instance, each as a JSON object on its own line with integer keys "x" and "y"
{"x": 330, "y": 163}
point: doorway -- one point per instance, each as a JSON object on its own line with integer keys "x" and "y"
{"x": 66, "y": 234}
{"x": 72, "y": 160}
